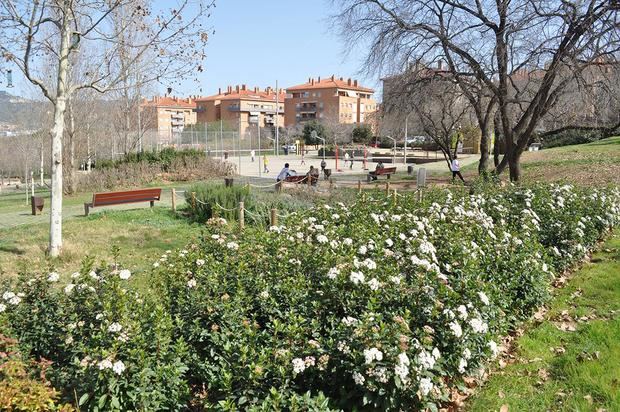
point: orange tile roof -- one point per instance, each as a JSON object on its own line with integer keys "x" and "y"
{"x": 246, "y": 94}
{"x": 166, "y": 101}
{"x": 329, "y": 83}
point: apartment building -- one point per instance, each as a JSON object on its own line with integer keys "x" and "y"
{"x": 168, "y": 115}
{"x": 334, "y": 99}
{"x": 243, "y": 108}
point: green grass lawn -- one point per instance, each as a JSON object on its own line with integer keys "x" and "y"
{"x": 142, "y": 234}
{"x": 564, "y": 370}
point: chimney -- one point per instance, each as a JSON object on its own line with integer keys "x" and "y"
{"x": 332, "y": 77}
{"x": 342, "y": 79}
{"x": 229, "y": 89}
{"x": 255, "y": 89}
{"x": 355, "y": 83}
{"x": 237, "y": 88}
{"x": 243, "y": 87}
{"x": 319, "y": 79}
{"x": 219, "y": 90}
{"x": 440, "y": 64}
{"x": 349, "y": 82}
{"x": 312, "y": 82}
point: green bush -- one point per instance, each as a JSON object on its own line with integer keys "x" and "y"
{"x": 571, "y": 137}
{"x": 217, "y": 200}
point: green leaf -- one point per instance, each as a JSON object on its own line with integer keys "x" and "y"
{"x": 83, "y": 399}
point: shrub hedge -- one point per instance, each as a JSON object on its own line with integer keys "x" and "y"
{"x": 378, "y": 305}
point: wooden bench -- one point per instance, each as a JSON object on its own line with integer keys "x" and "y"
{"x": 386, "y": 171}
{"x": 301, "y": 179}
{"x": 121, "y": 198}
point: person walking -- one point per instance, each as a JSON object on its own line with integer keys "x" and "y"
{"x": 455, "y": 166}
{"x": 303, "y": 158}
{"x": 351, "y": 160}
{"x": 265, "y": 164}
{"x": 252, "y": 154}
{"x": 346, "y": 158}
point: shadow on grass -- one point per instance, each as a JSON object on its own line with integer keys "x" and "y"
{"x": 12, "y": 249}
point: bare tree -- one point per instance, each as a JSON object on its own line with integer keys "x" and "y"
{"x": 522, "y": 54}
{"x": 30, "y": 30}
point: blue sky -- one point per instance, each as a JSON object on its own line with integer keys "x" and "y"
{"x": 257, "y": 42}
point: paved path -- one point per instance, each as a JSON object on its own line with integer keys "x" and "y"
{"x": 14, "y": 212}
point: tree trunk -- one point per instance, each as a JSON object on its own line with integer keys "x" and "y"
{"x": 60, "y": 102}
{"x": 41, "y": 164}
{"x": 71, "y": 186}
{"x": 484, "y": 151}
{"x": 514, "y": 166}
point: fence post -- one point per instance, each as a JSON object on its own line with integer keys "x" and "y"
{"x": 387, "y": 188}
{"x": 194, "y": 200}
{"x": 331, "y": 183}
{"x": 173, "y": 197}
{"x": 241, "y": 216}
{"x": 395, "y": 196}
{"x": 309, "y": 180}
{"x": 273, "y": 219}
{"x": 279, "y": 186}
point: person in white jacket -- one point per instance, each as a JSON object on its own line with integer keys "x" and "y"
{"x": 455, "y": 166}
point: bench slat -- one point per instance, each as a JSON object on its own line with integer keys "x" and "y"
{"x": 134, "y": 196}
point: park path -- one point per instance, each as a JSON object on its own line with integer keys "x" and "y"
{"x": 15, "y": 212}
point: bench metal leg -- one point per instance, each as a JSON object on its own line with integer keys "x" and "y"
{"x": 86, "y": 208}
{"x": 152, "y": 203}
{"x": 388, "y": 176}
{"x": 368, "y": 178}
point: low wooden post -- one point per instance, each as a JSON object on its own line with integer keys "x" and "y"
{"x": 279, "y": 187}
{"x": 308, "y": 180}
{"x": 273, "y": 218}
{"x": 331, "y": 183}
{"x": 395, "y": 196}
{"x": 387, "y": 188}
{"x": 194, "y": 200}
{"x": 173, "y": 197}
{"x": 359, "y": 186}
{"x": 241, "y": 216}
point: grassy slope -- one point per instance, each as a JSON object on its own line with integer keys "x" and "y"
{"x": 563, "y": 370}
{"x": 595, "y": 163}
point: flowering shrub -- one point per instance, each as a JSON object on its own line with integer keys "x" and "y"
{"x": 393, "y": 302}
{"x": 106, "y": 343}
{"x": 380, "y": 305}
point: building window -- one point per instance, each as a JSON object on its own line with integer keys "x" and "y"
{"x": 306, "y": 94}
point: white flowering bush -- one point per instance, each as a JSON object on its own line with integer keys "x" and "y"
{"x": 380, "y": 305}
{"x": 377, "y": 305}
{"x": 107, "y": 347}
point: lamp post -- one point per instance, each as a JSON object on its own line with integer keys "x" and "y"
{"x": 394, "y": 150}
{"x": 406, "y": 137}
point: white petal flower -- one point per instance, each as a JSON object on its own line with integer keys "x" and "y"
{"x": 118, "y": 367}
{"x": 358, "y": 378}
{"x": 93, "y": 275}
{"x": 322, "y": 239}
{"x": 15, "y": 300}
{"x": 7, "y": 295}
{"x": 484, "y": 298}
{"x": 105, "y": 364}
{"x": 75, "y": 275}
{"x": 115, "y": 327}
{"x": 53, "y": 277}
{"x": 69, "y": 288}
{"x": 298, "y": 365}
{"x": 2, "y": 307}
{"x": 373, "y": 284}
{"x": 232, "y": 245}
{"x": 200, "y": 262}
{"x": 456, "y": 329}
{"x": 426, "y": 386}
{"x": 357, "y": 277}
{"x": 124, "y": 274}
{"x": 191, "y": 283}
